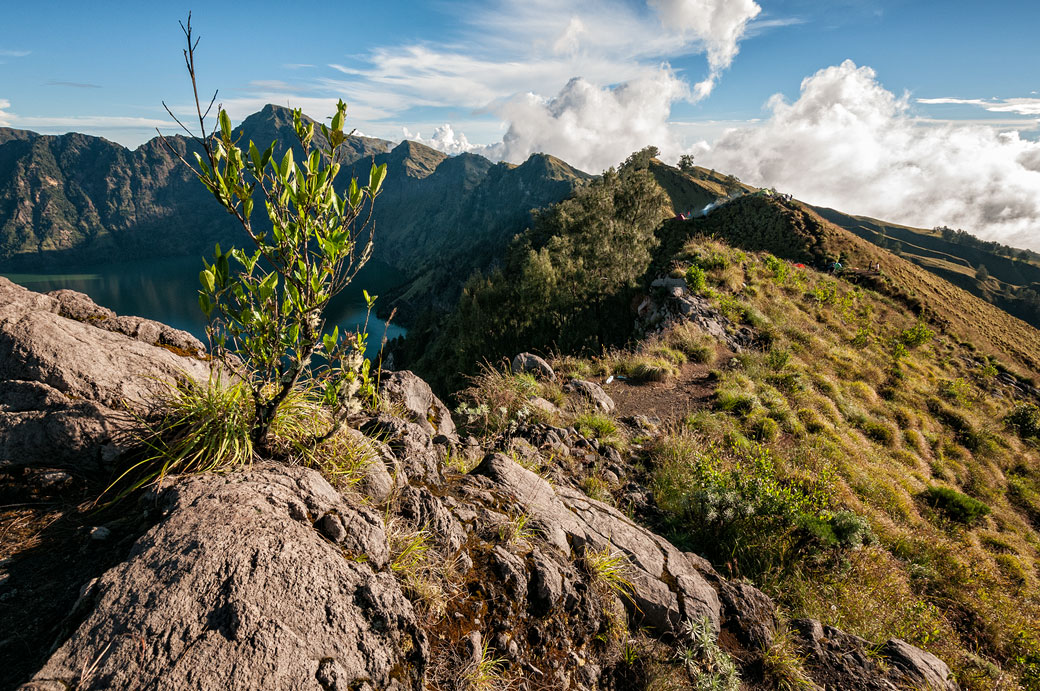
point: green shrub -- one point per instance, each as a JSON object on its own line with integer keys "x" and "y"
{"x": 778, "y": 358}
{"x": 1025, "y": 420}
{"x": 958, "y": 507}
{"x": 780, "y": 269}
{"x": 917, "y": 335}
{"x": 955, "y": 390}
{"x": 269, "y": 314}
{"x": 862, "y": 338}
{"x": 710, "y": 667}
{"x": 844, "y": 529}
{"x": 695, "y": 279}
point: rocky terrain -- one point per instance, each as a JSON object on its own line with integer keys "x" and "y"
{"x": 447, "y": 562}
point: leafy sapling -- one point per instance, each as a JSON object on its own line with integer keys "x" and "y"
{"x": 267, "y": 314}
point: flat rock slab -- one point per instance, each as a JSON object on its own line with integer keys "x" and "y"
{"x": 266, "y": 579}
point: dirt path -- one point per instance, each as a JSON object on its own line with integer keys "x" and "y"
{"x": 669, "y": 401}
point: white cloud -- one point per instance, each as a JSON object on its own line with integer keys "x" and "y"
{"x": 719, "y": 24}
{"x": 4, "y": 115}
{"x": 88, "y": 122}
{"x": 444, "y": 139}
{"x": 1022, "y": 106}
{"x": 849, "y": 143}
{"x": 586, "y": 80}
{"x": 592, "y": 127}
{"x": 6, "y": 53}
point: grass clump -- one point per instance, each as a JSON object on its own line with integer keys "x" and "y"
{"x": 609, "y": 570}
{"x": 484, "y": 674}
{"x": 644, "y": 368}
{"x": 783, "y": 667}
{"x": 697, "y": 346}
{"x": 956, "y": 506}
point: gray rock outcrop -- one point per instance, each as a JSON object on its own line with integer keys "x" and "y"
{"x": 265, "y": 579}
{"x": 416, "y": 398}
{"x": 70, "y": 391}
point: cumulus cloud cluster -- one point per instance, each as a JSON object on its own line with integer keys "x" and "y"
{"x": 444, "y": 139}
{"x": 849, "y": 143}
{"x": 592, "y": 127}
{"x": 4, "y": 116}
{"x": 587, "y": 80}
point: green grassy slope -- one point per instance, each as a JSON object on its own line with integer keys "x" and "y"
{"x": 1013, "y": 283}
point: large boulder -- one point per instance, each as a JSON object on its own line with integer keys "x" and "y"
{"x": 839, "y": 660}
{"x": 529, "y": 362}
{"x": 266, "y": 579}
{"x": 417, "y": 402}
{"x": 70, "y": 392}
{"x": 668, "y": 588}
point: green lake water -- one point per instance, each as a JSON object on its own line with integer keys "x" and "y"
{"x": 166, "y": 290}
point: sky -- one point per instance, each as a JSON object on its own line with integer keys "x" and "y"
{"x": 914, "y": 111}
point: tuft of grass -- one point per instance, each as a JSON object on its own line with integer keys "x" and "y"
{"x": 783, "y": 667}
{"x": 698, "y": 347}
{"x": 205, "y": 428}
{"x": 958, "y": 507}
{"x": 484, "y": 674}
{"x": 609, "y": 570}
{"x": 644, "y": 368}
{"x": 517, "y": 530}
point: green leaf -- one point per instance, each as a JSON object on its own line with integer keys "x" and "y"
{"x": 375, "y": 178}
{"x": 354, "y": 194}
{"x": 287, "y": 163}
{"x": 222, "y": 270}
{"x": 269, "y": 285}
{"x": 225, "y": 124}
{"x": 205, "y": 304}
{"x": 254, "y": 156}
{"x": 208, "y": 281}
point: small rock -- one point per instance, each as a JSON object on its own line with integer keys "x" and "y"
{"x": 475, "y": 643}
{"x": 593, "y": 393}
{"x": 331, "y": 526}
{"x": 529, "y": 362}
{"x": 540, "y": 404}
{"x": 100, "y": 533}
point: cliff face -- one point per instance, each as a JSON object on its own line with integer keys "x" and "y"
{"x": 413, "y": 574}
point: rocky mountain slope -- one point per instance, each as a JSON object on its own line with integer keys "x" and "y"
{"x": 79, "y": 199}
{"x": 440, "y": 561}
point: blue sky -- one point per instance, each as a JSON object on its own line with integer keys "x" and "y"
{"x": 590, "y": 82}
